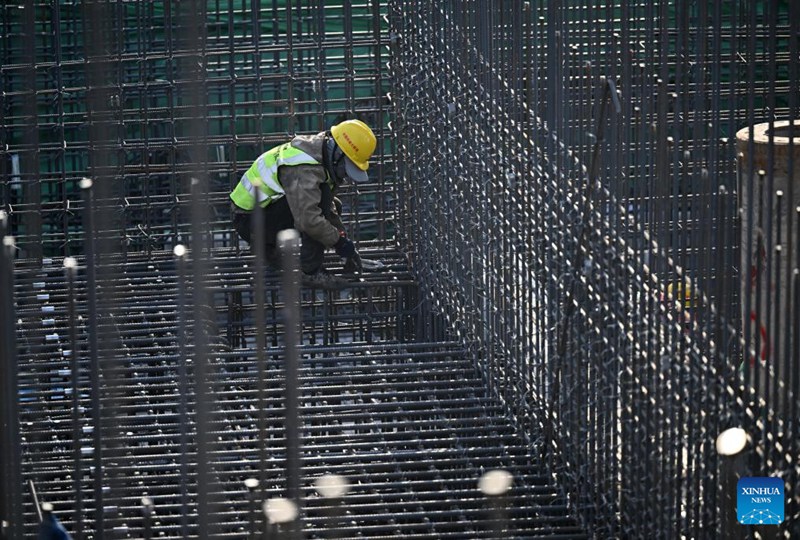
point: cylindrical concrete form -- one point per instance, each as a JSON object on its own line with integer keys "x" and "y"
{"x": 769, "y": 195}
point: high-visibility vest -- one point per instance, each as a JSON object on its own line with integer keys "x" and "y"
{"x": 261, "y": 179}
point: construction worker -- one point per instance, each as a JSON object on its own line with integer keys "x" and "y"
{"x": 296, "y": 184}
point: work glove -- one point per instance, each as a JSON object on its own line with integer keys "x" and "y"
{"x": 353, "y": 265}
{"x": 345, "y": 248}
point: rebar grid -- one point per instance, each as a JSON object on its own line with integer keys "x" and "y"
{"x": 566, "y": 173}
{"x": 152, "y": 388}
{"x": 408, "y": 424}
{"x": 569, "y": 171}
{"x": 266, "y": 69}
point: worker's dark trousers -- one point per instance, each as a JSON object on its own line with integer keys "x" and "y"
{"x": 278, "y": 217}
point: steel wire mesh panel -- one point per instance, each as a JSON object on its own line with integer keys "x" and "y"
{"x": 585, "y": 221}
{"x": 262, "y": 70}
{"x": 150, "y": 395}
{"x": 408, "y": 422}
{"x": 572, "y": 189}
{"x": 145, "y": 360}
{"x": 124, "y": 127}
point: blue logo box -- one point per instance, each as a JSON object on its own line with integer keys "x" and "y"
{"x": 760, "y": 501}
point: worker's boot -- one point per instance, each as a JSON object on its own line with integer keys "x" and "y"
{"x": 321, "y": 279}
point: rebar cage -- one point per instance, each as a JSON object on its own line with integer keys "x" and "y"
{"x": 588, "y": 272}
{"x": 572, "y": 174}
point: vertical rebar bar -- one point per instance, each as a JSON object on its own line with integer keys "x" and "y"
{"x": 251, "y": 484}
{"x": 30, "y": 164}
{"x": 93, "y": 353}
{"x": 71, "y": 271}
{"x": 147, "y": 517}
{"x": 11, "y": 443}
{"x": 495, "y": 485}
{"x": 289, "y": 245}
{"x": 792, "y": 397}
{"x": 258, "y": 247}
{"x": 333, "y": 488}
{"x": 194, "y": 39}
{"x": 6, "y": 442}
{"x": 182, "y": 299}
{"x": 201, "y": 360}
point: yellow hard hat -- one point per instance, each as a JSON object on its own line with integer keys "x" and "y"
{"x": 356, "y": 140}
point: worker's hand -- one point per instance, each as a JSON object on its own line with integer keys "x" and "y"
{"x": 353, "y": 265}
{"x": 345, "y": 247}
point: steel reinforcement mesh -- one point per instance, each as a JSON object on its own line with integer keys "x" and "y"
{"x": 148, "y": 94}
{"x": 579, "y": 209}
{"x": 566, "y": 183}
{"x": 157, "y": 380}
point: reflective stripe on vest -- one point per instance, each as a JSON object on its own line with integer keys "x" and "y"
{"x": 261, "y": 179}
